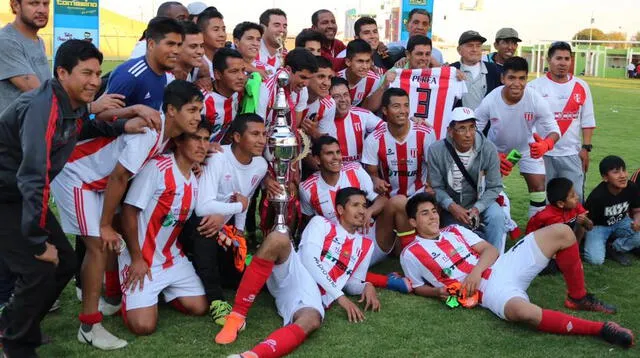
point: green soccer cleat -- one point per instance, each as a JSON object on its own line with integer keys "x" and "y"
{"x": 219, "y": 310}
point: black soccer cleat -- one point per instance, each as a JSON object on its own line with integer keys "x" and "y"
{"x": 589, "y": 303}
{"x": 618, "y": 335}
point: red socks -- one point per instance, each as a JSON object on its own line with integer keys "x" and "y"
{"x": 281, "y": 342}
{"x": 253, "y": 279}
{"x": 377, "y": 280}
{"x": 91, "y": 318}
{"x": 112, "y": 284}
{"x": 570, "y": 265}
{"x": 179, "y": 307}
{"x": 562, "y": 323}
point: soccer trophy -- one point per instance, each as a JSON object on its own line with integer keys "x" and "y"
{"x": 282, "y": 150}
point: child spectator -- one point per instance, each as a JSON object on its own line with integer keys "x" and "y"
{"x": 614, "y": 207}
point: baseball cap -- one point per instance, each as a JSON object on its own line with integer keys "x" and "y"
{"x": 196, "y": 7}
{"x": 507, "y": 33}
{"x": 470, "y": 36}
{"x": 462, "y": 114}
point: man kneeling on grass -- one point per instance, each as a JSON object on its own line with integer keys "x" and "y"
{"x": 439, "y": 259}
{"x": 159, "y": 202}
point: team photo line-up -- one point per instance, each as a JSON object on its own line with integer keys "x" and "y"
{"x": 199, "y": 164}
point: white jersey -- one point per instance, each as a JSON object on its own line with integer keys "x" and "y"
{"x": 512, "y": 126}
{"x": 93, "y": 160}
{"x": 166, "y": 199}
{"x": 403, "y": 165}
{"x": 139, "y": 50}
{"x": 268, "y": 90}
{"x": 265, "y": 57}
{"x": 220, "y": 112}
{"x": 209, "y": 64}
{"x": 222, "y": 176}
{"x": 319, "y": 198}
{"x": 432, "y": 94}
{"x": 351, "y": 131}
{"x": 320, "y": 110}
{"x": 444, "y": 261}
{"x": 335, "y": 259}
{"x": 364, "y": 88}
{"x": 572, "y": 106}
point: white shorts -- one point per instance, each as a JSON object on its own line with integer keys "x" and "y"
{"x": 529, "y": 165}
{"x": 179, "y": 280}
{"x": 512, "y": 274}
{"x": 293, "y": 288}
{"x": 378, "y": 254}
{"x": 80, "y": 209}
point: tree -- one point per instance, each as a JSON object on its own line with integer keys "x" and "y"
{"x": 617, "y": 36}
{"x": 590, "y": 34}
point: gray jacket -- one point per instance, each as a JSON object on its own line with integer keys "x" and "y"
{"x": 485, "y": 162}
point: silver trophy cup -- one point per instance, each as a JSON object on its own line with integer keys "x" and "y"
{"x": 282, "y": 150}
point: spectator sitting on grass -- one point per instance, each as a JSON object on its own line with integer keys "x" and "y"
{"x": 614, "y": 207}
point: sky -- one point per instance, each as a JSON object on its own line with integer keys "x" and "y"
{"x": 540, "y": 20}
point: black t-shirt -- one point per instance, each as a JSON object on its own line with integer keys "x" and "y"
{"x": 606, "y": 209}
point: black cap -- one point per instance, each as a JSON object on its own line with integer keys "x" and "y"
{"x": 470, "y": 36}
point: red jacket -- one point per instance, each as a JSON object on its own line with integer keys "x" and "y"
{"x": 552, "y": 214}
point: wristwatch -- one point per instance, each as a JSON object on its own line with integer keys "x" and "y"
{"x": 587, "y": 147}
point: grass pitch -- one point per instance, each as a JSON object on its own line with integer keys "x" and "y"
{"x": 409, "y": 325}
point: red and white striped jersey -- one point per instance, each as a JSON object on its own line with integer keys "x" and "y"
{"x": 444, "y": 261}
{"x": 572, "y": 106}
{"x": 166, "y": 200}
{"x": 335, "y": 259}
{"x": 319, "y": 198}
{"x": 263, "y": 66}
{"x": 268, "y": 91}
{"x": 320, "y": 109}
{"x": 265, "y": 57}
{"x": 351, "y": 131}
{"x": 93, "y": 160}
{"x": 432, "y": 93}
{"x": 403, "y": 165}
{"x": 364, "y": 88}
{"x": 220, "y": 112}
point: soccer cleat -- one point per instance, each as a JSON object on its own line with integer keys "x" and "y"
{"x": 233, "y": 324}
{"x": 55, "y": 306}
{"x": 618, "y": 335}
{"x": 100, "y": 338}
{"x": 589, "y": 303}
{"x": 219, "y": 310}
{"x": 247, "y": 354}
{"x": 398, "y": 283}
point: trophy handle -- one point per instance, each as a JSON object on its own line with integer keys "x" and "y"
{"x": 306, "y": 146}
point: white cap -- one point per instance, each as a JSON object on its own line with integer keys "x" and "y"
{"x": 196, "y": 7}
{"x": 462, "y": 114}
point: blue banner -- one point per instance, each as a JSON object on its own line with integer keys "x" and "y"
{"x": 407, "y": 6}
{"x": 76, "y": 19}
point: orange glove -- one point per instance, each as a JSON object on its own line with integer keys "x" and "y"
{"x": 540, "y": 146}
{"x": 505, "y": 165}
{"x": 230, "y": 236}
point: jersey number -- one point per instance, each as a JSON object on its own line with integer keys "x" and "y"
{"x": 424, "y": 96}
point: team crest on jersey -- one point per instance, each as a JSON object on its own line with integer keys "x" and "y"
{"x": 577, "y": 97}
{"x": 356, "y": 127}
{"x": 358, "y": 96}
{"x": 390, "y": 152}
{"x": 528, "y": 116}
{"x": 227, "y": 177}
{"x": 414, "y": 153}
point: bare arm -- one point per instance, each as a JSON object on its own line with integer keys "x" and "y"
{"x": 429, "y": 291}
{"x": 116, "y": 187}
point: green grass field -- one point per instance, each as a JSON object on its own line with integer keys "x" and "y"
{"x": 410, "y": 325}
